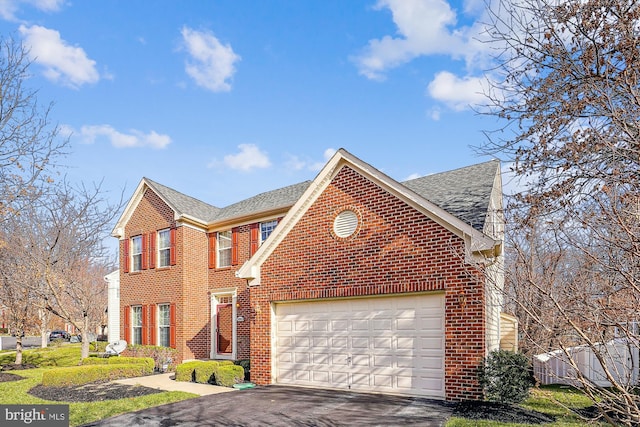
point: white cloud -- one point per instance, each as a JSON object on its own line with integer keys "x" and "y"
{"x": 135, "y": 138}
{"x": 211, "y": 64}
{"x": 250, "y": 157}
{"x": 412, "y": 176}
{"x": 296, "y": 163}
{"x": 64, "y": 64}
{"x": 9, "y": 8}
{"x": 457, "y": 93}
{"x": 425, "y": 28}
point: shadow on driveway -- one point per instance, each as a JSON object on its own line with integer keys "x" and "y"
{"x": 290, "y": 406}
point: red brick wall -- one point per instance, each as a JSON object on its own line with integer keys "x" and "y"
{"x": 188, "y": 284}
{"x": 220, "y": 278}
{"x": 194, "y": 326}
{"x": 396, "y": 249}
{"x": 170, "y": 284}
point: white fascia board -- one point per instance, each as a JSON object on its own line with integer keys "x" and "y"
{"x": 118, "y": 230}
{"x": 251, "y": 268}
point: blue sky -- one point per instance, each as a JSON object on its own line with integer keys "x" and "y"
{"x": 223, "y": 100}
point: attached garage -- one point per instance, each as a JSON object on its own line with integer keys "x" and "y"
{"x": 392, "y": 344}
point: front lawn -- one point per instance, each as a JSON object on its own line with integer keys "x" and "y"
{"x": 16, "y": 392}
{"x": 549, "y": 400}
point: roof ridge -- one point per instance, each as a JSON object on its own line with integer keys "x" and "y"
{"x": 452, "y": 170}
{"x": 178, "y": 192}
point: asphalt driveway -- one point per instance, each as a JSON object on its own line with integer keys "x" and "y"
{"x": 290, "y": 406}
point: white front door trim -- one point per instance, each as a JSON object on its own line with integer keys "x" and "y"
{"x": 215, "y": 301}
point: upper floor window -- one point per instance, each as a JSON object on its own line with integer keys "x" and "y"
{"x": 224, "y": 248}
{"x": 136, "y": 253}
{"x": 266, "y": 228}
{"x": 164, "y": 248}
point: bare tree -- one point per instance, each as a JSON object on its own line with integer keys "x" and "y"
{"x": 30, "y": 144}
{"x": 17, "y": 288}
{"x": 66, "y": 246}
{"x": 567, "y": 84}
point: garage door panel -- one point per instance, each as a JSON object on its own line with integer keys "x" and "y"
{"x": 381, "y": 324}
{"x": 390, "y": 345}
{"x": 360, "y": 342}
{"x": 319, "y": 341}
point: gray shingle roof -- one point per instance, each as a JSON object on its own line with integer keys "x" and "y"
{"x": 280, "y": 198}
{"x": 464, "y": 193}
{"x": 184, "y": 204}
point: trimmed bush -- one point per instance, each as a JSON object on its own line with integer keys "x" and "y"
{"x": 505, "y": 377}
{"x": 187, "y": 371}
{"x": 161, "y": 355}
{"x": 228, "y": 375}
{"x": 79, "y": 375}
{"x": 99, "y": 346}
{"x": 149, "y": 362}
{"x": 246, "y": 365}
{"x": 205, "y": 372}
{"x": 219, "y": 372}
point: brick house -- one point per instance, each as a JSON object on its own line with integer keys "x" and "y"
{"x": 352, "y": 280}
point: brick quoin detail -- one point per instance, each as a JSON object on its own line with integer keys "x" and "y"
{"x": 396, "y": 250}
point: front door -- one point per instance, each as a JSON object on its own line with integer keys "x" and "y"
{"x": 224, "y": 327}
{"x": 223, "y": 324}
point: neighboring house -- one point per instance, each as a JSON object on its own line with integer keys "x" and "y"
{"x": 113, "y": 306}
{"x": 352, "y": 280}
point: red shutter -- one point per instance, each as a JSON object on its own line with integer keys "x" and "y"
{"x": 125, "y": 322}
{"x": 254, "y": 240}
{"x": 152, "y": 249}
{"x": 234, "y": 246}
{"x": 212, "y": 249}
{"x": 145, "y": 325}
{"x": 145, "y": 252}
{"x": 280, "y": 219}
{"x": 172, "y": 325}
{"x": 172, "y": 245}
{"x": 125, "y": 255}
{"x": 153, "y": 328}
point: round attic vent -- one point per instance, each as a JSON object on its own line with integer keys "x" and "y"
{"x": 345, "y": 223}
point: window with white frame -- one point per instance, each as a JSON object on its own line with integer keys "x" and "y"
{"x": 224, "y": 249}
{"x": 164, "y": 248}
{"x": 163, "y": 325}
{"x": 266, "y": 228}
{"x": 136, "y": 324}
{"x": 136, "y": 253}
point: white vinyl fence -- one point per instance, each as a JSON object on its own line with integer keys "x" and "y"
{"x": 620, "y": 357}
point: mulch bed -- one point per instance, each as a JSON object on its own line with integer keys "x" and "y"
{"x": 93, "y": 392}
{"x": 6, "y": 376}
{"x": 502, "y": 412}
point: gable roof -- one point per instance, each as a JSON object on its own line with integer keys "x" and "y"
{"x": 182, "y": 204}
{"x": 474, "y": 185}
{"x": 263, "y": 202}
{"x": 464, "y": 193}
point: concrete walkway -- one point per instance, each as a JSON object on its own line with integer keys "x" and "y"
{"x": 166, "y": 382}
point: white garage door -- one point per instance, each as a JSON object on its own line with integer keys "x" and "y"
{"x": 387, "y": 345}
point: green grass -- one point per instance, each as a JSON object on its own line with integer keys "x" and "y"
{"x": 56, "y": 355}
{"x": 551, "y": 400}
{"x": 16, "y": 392}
